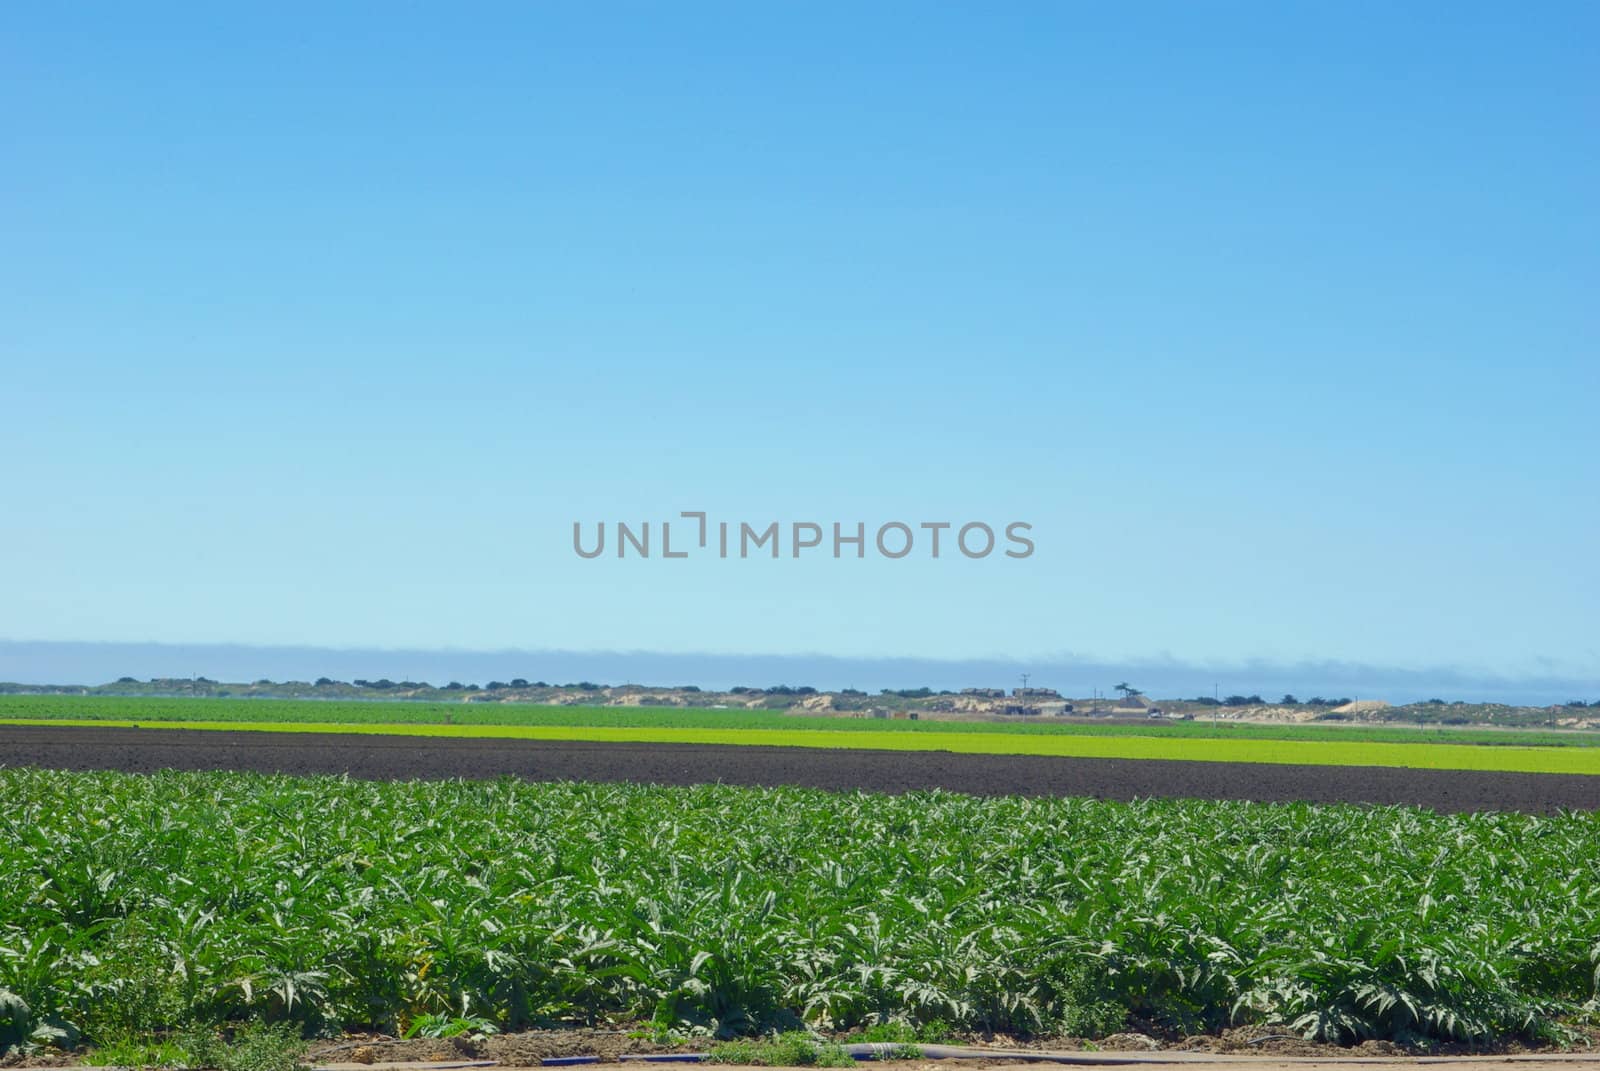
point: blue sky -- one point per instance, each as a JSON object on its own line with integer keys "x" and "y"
{"x": 1276, "y": 321}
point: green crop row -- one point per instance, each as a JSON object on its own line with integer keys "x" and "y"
{"x": 360, "y": 712}
{"x": 130, "y": 905}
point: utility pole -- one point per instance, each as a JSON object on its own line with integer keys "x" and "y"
{"x": 1025, "y": 677}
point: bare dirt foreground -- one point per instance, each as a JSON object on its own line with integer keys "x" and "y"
{"x": 1152, "y": 1061}
{"x": 1582, "y": 1060}
{"x": 422, "y": 758}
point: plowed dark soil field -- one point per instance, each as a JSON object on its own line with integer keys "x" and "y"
{"x": 418, "y": 758}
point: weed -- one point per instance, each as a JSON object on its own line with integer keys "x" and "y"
{"x": 141, "y": 1052}
{"x": 254, "y": 1046}
{"x": 793, "y": 1049}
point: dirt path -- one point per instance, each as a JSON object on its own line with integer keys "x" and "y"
{"x": 1292, "y": 1063}
{"x": 1155, "y": 1061}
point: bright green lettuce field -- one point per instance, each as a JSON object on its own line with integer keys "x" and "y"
{"x": 129, "y": 904}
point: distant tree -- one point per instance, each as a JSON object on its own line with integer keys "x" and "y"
{"x": 359, "y": 683}
{"x": 495, "y": 686}
{"x": 1289, "y": 700}
{"x": 518, "y": 682}
{"x": 126, "y": 680}
{"x": 263, "y": 683}
{"x": 323, "y": 682}
{"x": 689, "y": 688}
{"x": 453, "y": 686}
{"x": 740, "y": 690}
{"x": 588, "y": 686}
{"x": 1436, "y": 702}
{"x": 1206, "y": 700}
{"x": 1126, "y": 689}
{"x": 851, "y": 691}
{"x": 1236, "y": 701}
{"x": 1580, "y": 704}
{"x": 540, "y": 684}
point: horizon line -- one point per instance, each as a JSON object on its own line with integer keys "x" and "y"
{"x": 77, "y": 663}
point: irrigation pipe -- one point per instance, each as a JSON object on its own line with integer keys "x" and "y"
{"x": 894, "y": 1051}
{"x": 666, "y": 1057}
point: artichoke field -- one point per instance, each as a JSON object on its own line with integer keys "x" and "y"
{"x": 135, "y": 904}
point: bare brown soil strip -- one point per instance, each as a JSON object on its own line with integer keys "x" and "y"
{"x": 433, "y": 758}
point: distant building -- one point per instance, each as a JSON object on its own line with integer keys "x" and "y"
{"x": 1134, "y": 704}
{"x": 1035, "y": 693}
{"x": 1052, "y": 708}
{"x": 985, "y": 693}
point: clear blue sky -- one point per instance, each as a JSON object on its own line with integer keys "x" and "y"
{"x": 321, "y": 324}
